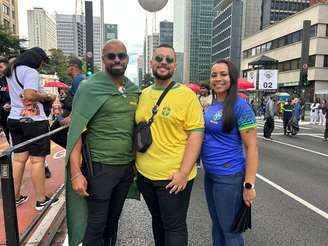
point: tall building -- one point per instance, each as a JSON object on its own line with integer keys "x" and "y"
{"x": 140, "y": 66}
{"x": 282, "y": 41}
{"x": 197, "y": 50}
{"x": 276, "y": 10}
{"x": 179, "y": 12}
{"x": 166, "y": 33}
{"x": 152, "y": 42}
{"x": 110, "y": 32}
{"x": 41, "y": 29}
{"x": 227, "y": 30}
{"x": 9, "y": 15}
{"x": 71, "y": 36}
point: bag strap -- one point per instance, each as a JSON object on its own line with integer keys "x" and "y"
{"x": 160, "y": 99}
{"x": 17, "y": 80}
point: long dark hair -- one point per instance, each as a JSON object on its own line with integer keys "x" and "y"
{"x": 228, "y": 114}
{"x": 31, "y": 58}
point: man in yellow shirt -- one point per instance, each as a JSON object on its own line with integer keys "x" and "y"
{"x": 167, "y": 169}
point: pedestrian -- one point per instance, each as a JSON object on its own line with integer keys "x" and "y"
{"x": 205, "y": 96}
{"x": 287, "y": 114}
{"x": 105, "y": 106}
{"x": 27, "y": 120}
{"x": 74, "y": 70}
{"x": 4, "y": 97}
{"x": 322, "y": 112}
{"x": 269, "y": 118}
{"x": 325, "y": 137}
{"x": 166, "y": 171}
{"x": 230, "y": 174}
{"x": 315, "y": 111}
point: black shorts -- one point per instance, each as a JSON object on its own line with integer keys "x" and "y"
{"x": 21, "y": 132}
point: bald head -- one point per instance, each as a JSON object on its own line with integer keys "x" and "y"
{"x": 113, "y": 43}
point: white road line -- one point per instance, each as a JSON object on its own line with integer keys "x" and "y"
{"x": 297, "y": 147}
{"x": 315, "y": 135}
{"x": 293, "y": 196}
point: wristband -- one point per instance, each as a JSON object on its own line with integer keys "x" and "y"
{"x": 75, "y": 176}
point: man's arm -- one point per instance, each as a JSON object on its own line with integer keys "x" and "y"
{"x": 79, "y": 182}
{"x": 179, "y": 179}
{"x": 35, "y": 96}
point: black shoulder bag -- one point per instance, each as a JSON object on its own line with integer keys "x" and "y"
{"x": 46, "y": 104}
{"x": 142, "y": 132}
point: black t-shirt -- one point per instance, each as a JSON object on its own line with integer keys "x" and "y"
{"x": 4, "y": 95}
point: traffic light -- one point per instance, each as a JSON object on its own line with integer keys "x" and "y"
{"x": 305, "y": 80}
{"x": 89, "y": 71}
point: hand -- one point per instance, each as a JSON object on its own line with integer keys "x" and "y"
{"x": 65, "y": 121}
{"x": 249, "y": 195}
{"x": 79, "y": 185}
{"x": 178, "y": 182}
{"x": 7, "y": 107}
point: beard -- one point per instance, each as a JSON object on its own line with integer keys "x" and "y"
{"x": 162, "y": 77}
{"x": 115, "y": 72}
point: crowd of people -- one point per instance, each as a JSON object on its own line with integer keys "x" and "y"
{"x": 217, "y": 126}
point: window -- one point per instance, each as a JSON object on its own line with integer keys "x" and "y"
{"x": 5, "y": 9}
{"x": 286, "y": 66}
{"x": 325, "y": 61}
{"x": 311, "y": 62}
{"x": 294, "y": 65}
{"x": 6, "y": 24}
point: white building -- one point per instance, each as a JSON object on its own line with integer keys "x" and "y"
{"x": 282, "y": 41}
{"x": 41, "y": 29}
{"x": 71, "y": 36}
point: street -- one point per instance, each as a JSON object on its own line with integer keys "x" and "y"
{"x": 298, "y": 168}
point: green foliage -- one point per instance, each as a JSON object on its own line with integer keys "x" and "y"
{"x": 9, "y": 43}
{"x": 58, "y": 65}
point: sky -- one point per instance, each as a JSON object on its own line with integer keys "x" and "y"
{"x": 128, "y": 14}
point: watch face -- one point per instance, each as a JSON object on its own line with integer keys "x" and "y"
{"x": 248, "y": 186}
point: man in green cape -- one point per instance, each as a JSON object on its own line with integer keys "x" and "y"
{"x": 104, "y": 109}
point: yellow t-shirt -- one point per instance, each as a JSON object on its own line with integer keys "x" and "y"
{"x": 179, "y": 113}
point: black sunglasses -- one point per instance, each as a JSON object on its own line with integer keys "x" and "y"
{"x": 112, "y": 56}
{"x": 169, "y": 59}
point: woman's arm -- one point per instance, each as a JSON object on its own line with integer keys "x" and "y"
{"x": 249, "y": 138}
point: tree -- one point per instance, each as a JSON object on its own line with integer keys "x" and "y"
{"x": 57, "y": 65}
{"x": 9, "y": 43}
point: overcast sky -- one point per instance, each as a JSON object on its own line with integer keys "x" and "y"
{"x": 128, "y": 14}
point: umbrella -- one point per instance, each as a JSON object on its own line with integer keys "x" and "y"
{"x": 57, "y": 84}
{"x": 245, "y": 84}
{"x": 243, "y": 95}
{"x": 194, "y": 87}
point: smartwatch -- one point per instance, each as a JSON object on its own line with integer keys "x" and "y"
{"x": 249, "y": 186}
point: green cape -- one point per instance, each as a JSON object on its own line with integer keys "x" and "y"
{"x": 91, "y": 95}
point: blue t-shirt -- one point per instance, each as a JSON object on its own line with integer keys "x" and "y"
{"x": 76, "y": 82}
{"x": 222, "y": 153}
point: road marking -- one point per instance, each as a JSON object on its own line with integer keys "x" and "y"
{"x": 297, "y": 147}
{"x": 293, "y": 196}
{"x": 59, "y": 154}
{"x": 315, "y": 135}
{"x": 281, "y": 126}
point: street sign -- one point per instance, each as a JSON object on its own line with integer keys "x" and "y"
{"x": 251, "y": 77}
{"x": 268, "y": 79}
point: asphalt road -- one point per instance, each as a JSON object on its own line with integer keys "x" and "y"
{"x": 298, "y": 165}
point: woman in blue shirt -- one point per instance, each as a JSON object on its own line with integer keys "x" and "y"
{"x": 230, "y": 169}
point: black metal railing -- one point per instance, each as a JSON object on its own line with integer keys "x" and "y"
{"x": 8, "y": 193}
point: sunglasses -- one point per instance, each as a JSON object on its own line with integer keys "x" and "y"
{"x": 169, "y": 59}
{"x": 112, "y": 56}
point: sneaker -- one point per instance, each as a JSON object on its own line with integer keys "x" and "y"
{"x": 40, "y": 205}
{"x": 21, "y": 200}
{"x": 47, "y": 172}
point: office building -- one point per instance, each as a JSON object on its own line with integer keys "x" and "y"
{"x": 9, "y": 15}
{"x": 41, "y": 29}
{"x": 71, "y": 36}
{"x": 166, "y": 33}
{"x": 110, "y": 32}
{"x": 198, "y": 33}
{"x": 282, "y": 42}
